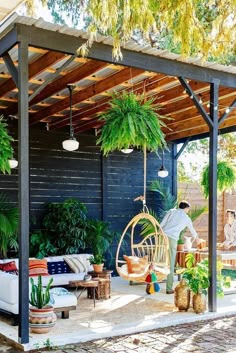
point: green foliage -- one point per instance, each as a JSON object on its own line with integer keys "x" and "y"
{"x": 96, "y": 259}
{"x": 8, "y": 226}
{"x": 41, "y": 245}
{"x": 197, "y": 27}
{"x": 99, "y": 238}
{"x": 6, "y": 151}
{"x": 197, "y": 276}
{"x": 167, "y": 202}
{"x": 40, "y": 296}
{"x": 194, "y": 213}
{"x": 131, "y": 121}
{"x": 66, "y": 226}
{"x": 226, "y": 177}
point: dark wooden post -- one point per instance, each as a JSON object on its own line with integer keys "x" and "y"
{"x": 212, "y": 237}
{"x": 23, "y": 135}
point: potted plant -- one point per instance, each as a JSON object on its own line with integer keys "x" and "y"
{"x": 226, "y": 177}
{"x": 131, "y": 121}
{"x": 6, "y": 151}
{"x": 180, "y": 243}
{"x": 97, "y": 261}
{"x": 99, "y": 238}
{"x": 42, "y": 316}
{"x": 196, "y": 276}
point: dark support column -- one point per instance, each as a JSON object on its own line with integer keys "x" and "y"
{"x": 174, "y": 170}
{"x": 212, "y": 238}
{"x": 23, "y": 135}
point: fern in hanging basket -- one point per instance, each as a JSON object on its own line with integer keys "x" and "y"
{"x": 6, "y": 151}
{"x": 226, "y": 177}
{"x": 131, "y": 121}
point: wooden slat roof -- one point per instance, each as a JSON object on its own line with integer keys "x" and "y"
{"x": 96, "y": 79}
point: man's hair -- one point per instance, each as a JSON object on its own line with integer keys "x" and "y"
{"x": 184, "y": 204}
{"x": 233, "y": 213}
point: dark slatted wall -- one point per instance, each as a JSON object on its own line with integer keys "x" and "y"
{"x": 107, "y": 185}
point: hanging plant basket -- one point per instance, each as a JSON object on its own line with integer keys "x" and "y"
{"x": 226, "y": 177}
{"x": 131, "y": 121}
{"x": 6, "y": 151}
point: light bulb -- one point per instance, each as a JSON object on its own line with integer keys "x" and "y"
{"x": 127, "y": 150}
{"x": 70, "y": 144}
{"x": 227, "y": 110}
{"x": 162, "y": 172}
{"x": 13, "y": 163}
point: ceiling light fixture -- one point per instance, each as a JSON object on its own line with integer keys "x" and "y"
{"x": 71, "y": 144}
{"x": 127, "y": 150}
{"x": 162, "y": 172}
{"x": 13, "y": 163}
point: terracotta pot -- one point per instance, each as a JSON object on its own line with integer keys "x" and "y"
{"x": 199, "y": 303}
{"x": 182, "y": 296}
{"x": 41, "y": 320}
{"x": 180, "y": 247}
{"x": 98, "y": 268}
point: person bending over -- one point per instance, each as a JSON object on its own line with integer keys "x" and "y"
{"x": 172, "y": 224}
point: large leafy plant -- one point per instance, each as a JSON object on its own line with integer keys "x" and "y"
{"x": 197, "y": 276}
{"x": 9, "y": 217}
{"x": 66, "y": 225}
{"x": 6, "y": 151}
{"x": 131, "y": 121}
{"x": 226, "y": 177}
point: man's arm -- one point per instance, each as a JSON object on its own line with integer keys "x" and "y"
{"x": 165, "y": 219}
{"x": 191, "y": 228}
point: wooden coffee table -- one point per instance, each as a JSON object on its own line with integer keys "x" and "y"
{"x": 93, "y": 284}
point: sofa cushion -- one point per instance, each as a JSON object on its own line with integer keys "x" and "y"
{"x": 58, "y": 267}
{"x": 9, "y": 267}
{"x": 79, "y": 262}
{"x": 38, "y": 267}
{"x": 136, "y": 264}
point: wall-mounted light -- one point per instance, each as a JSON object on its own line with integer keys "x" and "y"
{"x": 162, "y": 172}
{"x": 71, "y": 144}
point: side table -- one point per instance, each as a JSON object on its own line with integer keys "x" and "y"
{"x": 90, "y": 285}
{"x": 103, "y": 290}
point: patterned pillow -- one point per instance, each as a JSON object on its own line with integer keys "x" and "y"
{"x": 75, "y": 264}
{"x": 58, "y": 267}
{"x": 136, "y": 264}
{"x": 9, "y": 267}
{"x": 38, "y": 267}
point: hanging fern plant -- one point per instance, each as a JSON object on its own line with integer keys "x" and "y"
{"x": 6, "y": 151}
{"x": 131, "y": 121}
{"x": 226, "y": 177}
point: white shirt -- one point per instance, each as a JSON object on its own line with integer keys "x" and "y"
{"x": 230, "y": 233}
{"x": 175, "y": 221}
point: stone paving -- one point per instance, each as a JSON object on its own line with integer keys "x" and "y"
{"x": 215, "y": 336}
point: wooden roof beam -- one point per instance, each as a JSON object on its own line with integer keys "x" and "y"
{"x": 35, "y": 68}
{"x": 93, "y": 90}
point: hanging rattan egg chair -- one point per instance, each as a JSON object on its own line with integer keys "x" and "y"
{"x": 155, "y": 247}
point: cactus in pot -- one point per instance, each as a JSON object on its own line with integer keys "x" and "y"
{"x": 40, "y": 296}
{"x": 40, "y": 299}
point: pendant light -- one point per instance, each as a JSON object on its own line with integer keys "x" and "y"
{"x": 162, "y": 172}
{"x": 71, "y": 144}
{"x": 127, "y": 150}
{"x": 13, "y": 163}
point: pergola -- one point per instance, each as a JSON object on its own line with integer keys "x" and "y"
{"x": 38, "y": 60}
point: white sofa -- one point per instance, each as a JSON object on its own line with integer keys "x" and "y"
{"x": 9, "y": 285}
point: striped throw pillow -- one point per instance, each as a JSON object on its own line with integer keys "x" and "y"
{"x": 75, "y": 264}
{"x": 136, "y": 264}
{"x": 38, "y": 267}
